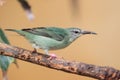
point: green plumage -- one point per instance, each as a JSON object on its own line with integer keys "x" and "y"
{"x": 50, "y": 38}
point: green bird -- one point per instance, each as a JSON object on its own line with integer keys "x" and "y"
{"x": 5, "y": 61}
{"x": 51, "y": 38}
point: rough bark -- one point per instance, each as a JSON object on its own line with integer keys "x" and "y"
{"x": 89, "y": 70}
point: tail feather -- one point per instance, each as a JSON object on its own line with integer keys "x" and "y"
{"x": 10, "y": 29}
{"x": 17, "y": 31}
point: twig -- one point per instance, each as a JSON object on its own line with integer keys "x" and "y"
{"x": 89, "y": 70}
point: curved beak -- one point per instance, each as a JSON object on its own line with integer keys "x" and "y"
{"x": 88, "y": 32}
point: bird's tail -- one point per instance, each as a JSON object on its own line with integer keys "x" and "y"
{"x": 17, "y": 31}
{"x": 11, "y": 30}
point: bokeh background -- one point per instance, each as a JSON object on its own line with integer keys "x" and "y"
{"x": 101, "y": 16}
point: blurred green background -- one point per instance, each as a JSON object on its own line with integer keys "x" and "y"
{"x": 101, "y": 16}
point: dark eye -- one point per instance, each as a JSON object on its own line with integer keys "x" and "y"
{"x": 76, "y": 32}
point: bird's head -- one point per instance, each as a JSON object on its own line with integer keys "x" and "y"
{"x": 74, "y": 33}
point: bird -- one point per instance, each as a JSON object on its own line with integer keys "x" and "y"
{"x": 5, "y": 61}
{"x": 51, "y": 38}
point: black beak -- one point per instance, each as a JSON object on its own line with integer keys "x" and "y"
{"x": 88, "y": 32}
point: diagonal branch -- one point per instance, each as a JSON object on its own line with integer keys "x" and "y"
{"x": 89, "y": 70}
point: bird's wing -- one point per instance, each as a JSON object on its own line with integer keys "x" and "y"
{"x": 50, "y": 32}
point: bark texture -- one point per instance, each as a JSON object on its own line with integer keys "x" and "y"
{"x": 89, "y": 70}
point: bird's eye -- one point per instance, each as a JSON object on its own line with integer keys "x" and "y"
{"x": 76, "y": 32}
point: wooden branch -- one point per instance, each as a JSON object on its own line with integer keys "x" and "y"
{"x": 89, "y": 70}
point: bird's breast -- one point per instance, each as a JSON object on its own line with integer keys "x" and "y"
{"x": 49, "y": 43}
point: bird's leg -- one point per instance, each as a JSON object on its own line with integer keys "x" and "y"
{"x": 46, "y": 52}
{"x": 52, "y": 56}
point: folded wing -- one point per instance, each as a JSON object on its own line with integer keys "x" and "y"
{"x": 50, "y": 32}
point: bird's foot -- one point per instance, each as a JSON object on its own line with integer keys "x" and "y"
{"x": 52, "y": 56}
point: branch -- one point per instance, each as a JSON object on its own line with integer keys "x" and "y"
{"x": 89, "y": 70}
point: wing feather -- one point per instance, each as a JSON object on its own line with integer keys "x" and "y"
{"x": 50, "y": 32}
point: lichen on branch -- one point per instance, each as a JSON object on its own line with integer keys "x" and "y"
{"x": 78, "y": 68}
